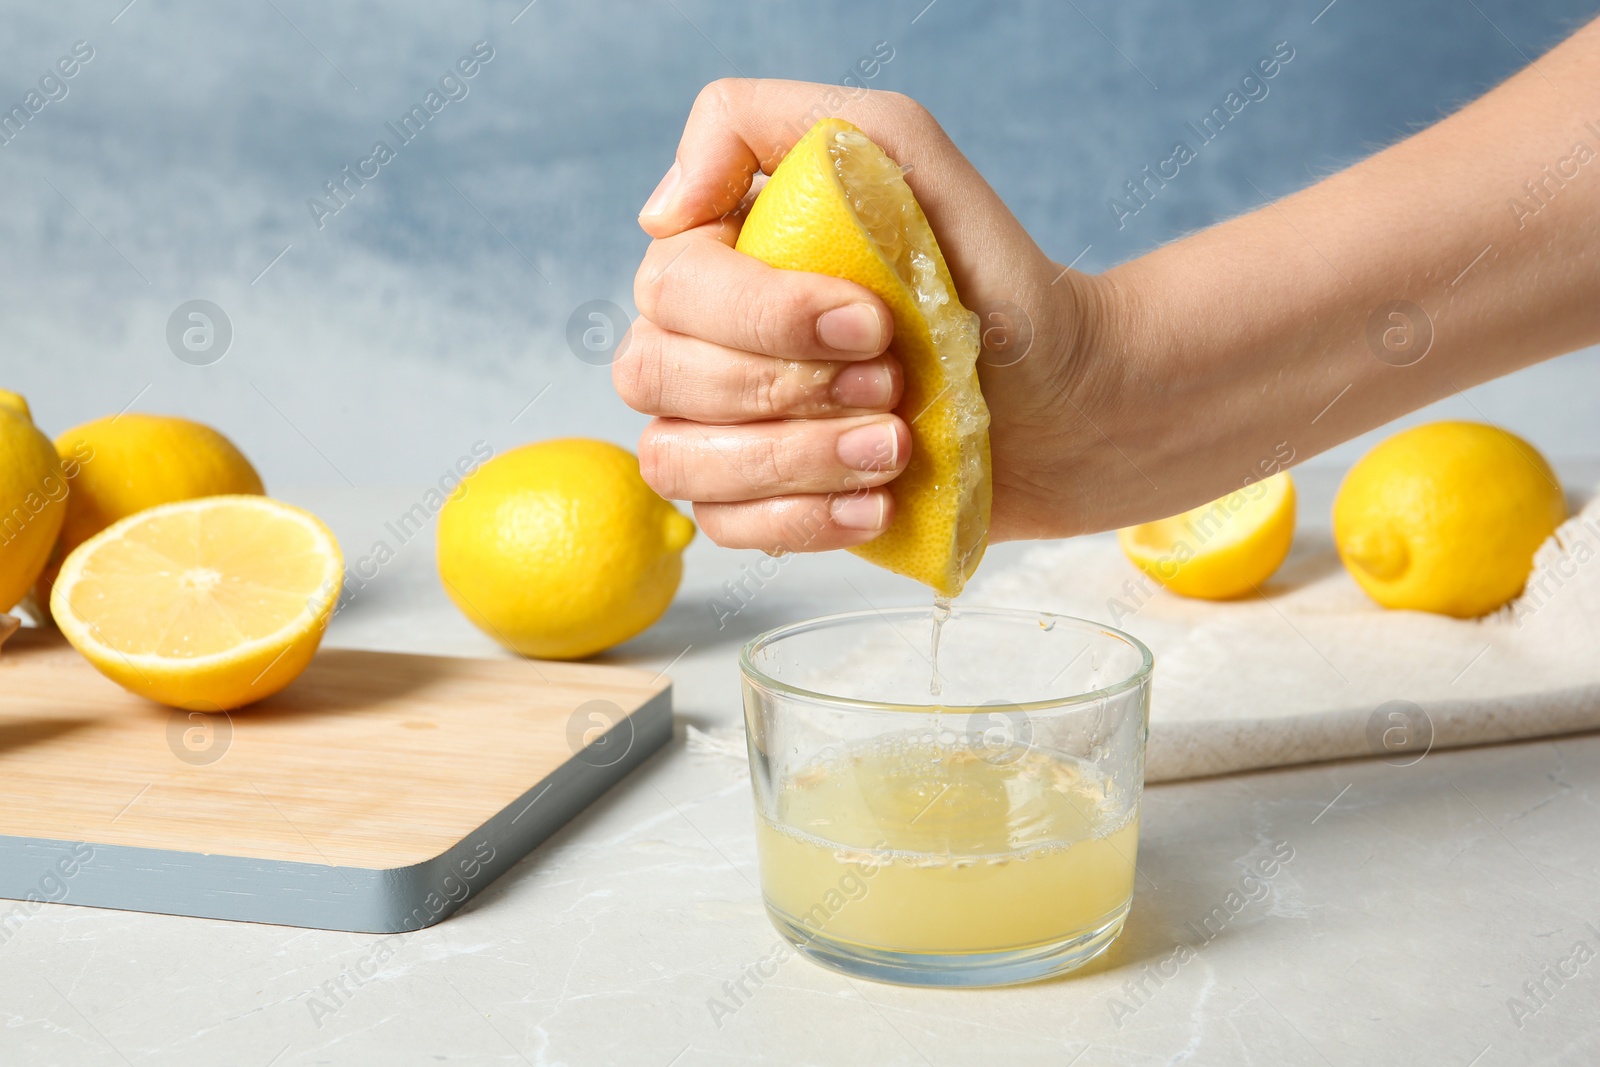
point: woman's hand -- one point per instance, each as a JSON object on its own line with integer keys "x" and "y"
{"x": 1462, "y": 253}
{"x": 774, "y": 391}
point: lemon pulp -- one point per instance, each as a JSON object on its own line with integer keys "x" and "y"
{"x": 884, "y": 204}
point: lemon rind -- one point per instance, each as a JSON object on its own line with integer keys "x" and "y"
{"x": 1227, "y": 536}
{"x": 1218, "y": 571}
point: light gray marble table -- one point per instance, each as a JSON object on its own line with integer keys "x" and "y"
{"x": 1419, "y": 904}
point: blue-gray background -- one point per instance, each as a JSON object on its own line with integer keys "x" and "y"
{"x": 429, "y": 313}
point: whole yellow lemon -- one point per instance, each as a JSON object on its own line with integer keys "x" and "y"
{"x": 122, "y": 464}
{"x": 1446, "y": 517}
{"x": 33, "y": 493}
{"x": 559, "y": 549}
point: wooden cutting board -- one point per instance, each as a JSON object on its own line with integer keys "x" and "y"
{"x": 378, "y": 793}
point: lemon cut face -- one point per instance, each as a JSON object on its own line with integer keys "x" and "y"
{"x": 837, "y": 205}
{"x": 1221, "y": 550}
{"x": 207, "y": 604}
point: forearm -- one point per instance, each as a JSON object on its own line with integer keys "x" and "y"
{"x": 1290, "y": 324}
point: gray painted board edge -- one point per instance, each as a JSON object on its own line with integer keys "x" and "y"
{"x": 40, "y": 870}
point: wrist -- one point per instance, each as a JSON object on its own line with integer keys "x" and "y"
{"x": 1164, "y": 385}
{"x": 1051, "y": 459}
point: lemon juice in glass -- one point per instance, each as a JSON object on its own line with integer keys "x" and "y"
{"x": 985, "y": 836}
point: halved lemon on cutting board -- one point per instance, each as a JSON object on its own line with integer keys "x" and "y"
{"x": 837, "y": 205}
{"x": 1221, "y": 550}
{"x": 207, "y": 604}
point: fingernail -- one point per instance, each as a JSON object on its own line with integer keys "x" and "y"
{"x": 852, "y": 328}
{"x": 870, "y": 448}
{"x": 864, "y": 512}
{"x": 863, "y": 385}
{"x": 660, "y": 199}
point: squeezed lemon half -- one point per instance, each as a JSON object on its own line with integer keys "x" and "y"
{"x": 837, "y": 205}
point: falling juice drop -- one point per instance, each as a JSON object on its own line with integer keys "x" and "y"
{"x": 941, "y": 615}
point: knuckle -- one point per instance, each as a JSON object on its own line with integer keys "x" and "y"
{"x": 777, "y": 399}
{"x": 623, "y": 373}
{"x": 716, "y": 97}
{"x": 647, "y": 284}
{"x": 915, "y": 112}
{"x": 660, "y": 462}
{"x": 907, "y": 111}
{"x": 637, "y": 373}
{"x": 758, "y": 391}
{"x": 749, "y": 312}
{"x": 899, "y": 101}
{"x": 712, "y": 521}
{"x": 672, "y": 286}
{"x": 767, "y": 463}
{"x": 661, "y": 276}
{"x": 774, "y": 319}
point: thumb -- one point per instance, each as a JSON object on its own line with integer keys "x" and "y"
{"x": 734, "y": 131}
{"x": 741, "y": 127}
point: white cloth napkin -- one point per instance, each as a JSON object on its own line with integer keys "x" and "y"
{"x": 1315, "y": 670}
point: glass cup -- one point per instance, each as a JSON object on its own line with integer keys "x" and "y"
{"x": 972, "y": 823}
